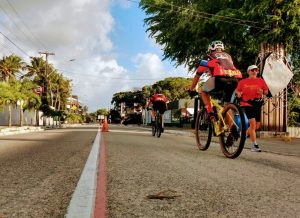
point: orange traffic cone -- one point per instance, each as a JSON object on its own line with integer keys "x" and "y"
{"x": 105, "y": 125}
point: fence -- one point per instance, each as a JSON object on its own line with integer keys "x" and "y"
{"x": 30, "y": 118}
{"x": 294, "y": 132}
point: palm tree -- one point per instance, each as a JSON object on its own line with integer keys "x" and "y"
{"x": 36, "y": 70}
{"x": 9, "y": 66}
{"x": 6, "y": 97}
{"x": 29, "y": 99}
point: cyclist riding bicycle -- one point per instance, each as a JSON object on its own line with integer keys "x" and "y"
{"x": 158, "y": 102}
{"x": 223, "y": 75}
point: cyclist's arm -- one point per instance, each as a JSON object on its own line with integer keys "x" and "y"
{"x": 238, "y": 94}
{"x": 195, "y": 81}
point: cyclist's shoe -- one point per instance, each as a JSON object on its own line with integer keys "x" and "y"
{"x": 212, "y": 117}
{"x": 255, "y": 148}
{"x": 162, "y": 130}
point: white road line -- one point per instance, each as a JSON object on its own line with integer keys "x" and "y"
{"x": 130, "y": 131}
{"x": 82, "y": 203}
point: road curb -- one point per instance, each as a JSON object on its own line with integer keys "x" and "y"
{"x": 20, "y": 130}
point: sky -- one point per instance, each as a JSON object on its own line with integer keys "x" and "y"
{"x": 101, "y": 45}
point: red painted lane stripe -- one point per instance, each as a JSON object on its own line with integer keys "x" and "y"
{"x": 101, "y": 198}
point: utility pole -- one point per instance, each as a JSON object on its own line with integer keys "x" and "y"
{"x": 46, "y": 68}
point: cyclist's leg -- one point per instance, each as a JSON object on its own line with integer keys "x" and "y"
{"x": 228, "y": 85}
{"x": 253, "y": 115}
{"x": 209, "y": 86}
{"x": 162, "y": 109}
{"x": 206, "y": 100}
{"x": 153, "y": 112}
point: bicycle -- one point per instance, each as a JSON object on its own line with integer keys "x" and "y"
{"x": 157, "y": 126}
{"x": 229, "y": 125}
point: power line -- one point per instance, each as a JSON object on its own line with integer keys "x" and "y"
{"x": 12, "y": 33}
{"x": 206, "y": 15}
{"x": 18, "y": 15}
{"x": 14, "y": 44}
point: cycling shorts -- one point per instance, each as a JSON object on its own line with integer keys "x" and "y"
{"x": 223, "y": 86}
{"x": 159, "y": 105}
{"x": 253, "y": 112}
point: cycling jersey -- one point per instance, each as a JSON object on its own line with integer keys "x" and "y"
{"x": 158, "y": 97}
{"x": 219, "y": 64}
{"x": 159, "y": 102}
{"x": 249, "y": 87}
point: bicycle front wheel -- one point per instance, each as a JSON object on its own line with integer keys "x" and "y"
{"x": 203, "y": 130}
{"x": 233, "y": 127}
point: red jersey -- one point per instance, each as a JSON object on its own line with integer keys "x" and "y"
{"x": 158, "y": 97}
{"x": 220, "y": 64}
{"x": 249, "y": 88}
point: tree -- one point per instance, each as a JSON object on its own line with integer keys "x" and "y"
{"x": 129, "y": 98}
{"x": 185, "y": 27}
{"x": 9, "y": 66}
{"x": 29, "y": 99}
{"x": 174, "y": 88}
{"x": 102, "y": 111}
{"x": 36, "y": 69}
{"x": 6, "y": 97}
{"x": 57, "y": 89}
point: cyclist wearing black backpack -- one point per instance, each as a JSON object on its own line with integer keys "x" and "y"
{"x": 223, "y": 75}
{"x": 158, "y": 102}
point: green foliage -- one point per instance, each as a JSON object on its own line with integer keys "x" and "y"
{"x": 74, "y": 118}
{"x": 294, "y": 111}
{"x": 9, "y": 66}
{"x": 184, "y": 27}
{"x": 174, "y": 88}
{"x": 129, "y": 98}
{"x": 6, "y": 94}
{"x": 102, "y": 111}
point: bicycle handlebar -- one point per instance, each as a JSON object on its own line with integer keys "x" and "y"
{"x": 193, "y": 93}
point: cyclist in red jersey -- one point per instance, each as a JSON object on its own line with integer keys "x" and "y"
{"x": 251, "y": 90}
{"x": 158, "y": 102}
{"x": 223, "y": 75}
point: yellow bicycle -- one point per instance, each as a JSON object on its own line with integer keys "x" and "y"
{"x": 229, "y": 125}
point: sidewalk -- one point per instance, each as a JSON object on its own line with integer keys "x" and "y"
{"x": 4, "y": 130}
{"x": 276, "y": 144}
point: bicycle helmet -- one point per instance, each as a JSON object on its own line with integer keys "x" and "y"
{"x": 216, "y": 44}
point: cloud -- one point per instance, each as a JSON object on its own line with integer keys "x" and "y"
{"x": 80, "y": 30}
{"x": 148, "y": 65}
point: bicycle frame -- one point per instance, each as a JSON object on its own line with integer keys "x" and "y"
{"x": 220, "y": 110}
{"x": 228, "y": 126}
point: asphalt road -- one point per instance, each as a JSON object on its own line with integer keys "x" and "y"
{"x": 169, "y": 177}
{"x": 39, "y": 171}
{"x": 147, "y": 176}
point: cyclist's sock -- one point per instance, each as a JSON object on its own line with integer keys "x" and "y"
{"x": 254, "y": 143}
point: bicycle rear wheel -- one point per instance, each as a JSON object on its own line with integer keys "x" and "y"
{"x": 233, "y": 129}
{"x": 153, "y": 129}
{"x": 158, "y": 127}
{"x": 203, "y": 130}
